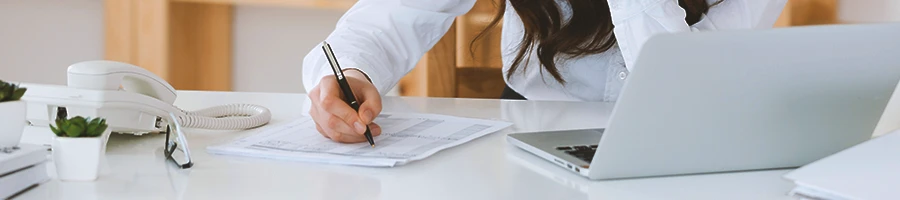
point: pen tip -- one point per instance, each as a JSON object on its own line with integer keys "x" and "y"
{"x": 373, "y": 146}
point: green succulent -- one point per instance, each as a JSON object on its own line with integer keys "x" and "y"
{"x": 10, "y": 92}
{"x": 79, "y": 127}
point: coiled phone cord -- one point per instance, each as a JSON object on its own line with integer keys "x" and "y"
{"x": 227, "y": 117}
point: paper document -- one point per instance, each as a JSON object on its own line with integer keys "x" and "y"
{"x": 869, "y": 170}
{"x": 404, "y": 138}
{"x": 802, "y": 192}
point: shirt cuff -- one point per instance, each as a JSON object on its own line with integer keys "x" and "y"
{"x": 360, "y": 71}
{"x": 372, "y": 77}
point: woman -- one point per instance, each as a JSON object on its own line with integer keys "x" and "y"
{"x": 571, "y": 50}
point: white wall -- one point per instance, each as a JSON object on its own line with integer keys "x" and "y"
{"x": 270, "y": 43}
{"x": 40, "y": 38}
{"x": 867, "y": 11}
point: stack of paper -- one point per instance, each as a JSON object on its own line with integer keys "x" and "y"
{"x": 21, "y": 168}
{"x": 870, "y": 171}
{"x": 404, "y": 138}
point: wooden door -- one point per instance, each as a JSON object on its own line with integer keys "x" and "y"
{"x": 453, "y": 69}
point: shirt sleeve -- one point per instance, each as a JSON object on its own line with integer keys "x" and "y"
{"x": 384, "y": 38}
{"x": 637, "y": 20}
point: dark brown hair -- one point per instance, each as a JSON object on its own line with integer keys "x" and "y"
{"x": 588, "y": 31}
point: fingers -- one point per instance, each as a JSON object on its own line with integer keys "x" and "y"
{"x": 313, "y": 112}
{"x": 342, "y": 137}
{"x": 333, "y": 125}
{"x": 329, "y": 125}
{"x": 336, "y": 120}
{"x": 375, "y": 128}
{"x": 331, "y": 102}
{"x": 340, "y": 134}
{"x": 371, "y": 106}
{"x": 354, "y": 138}
{"x": 328, "y": 133}
{"x": 351, "y": 138}
{"x": 321, "y": 131}
{"x": 347, "y": 138}
{"x": 367, "y": 95}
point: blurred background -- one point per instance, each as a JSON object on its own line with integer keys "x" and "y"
{"x": 259, "y": 45}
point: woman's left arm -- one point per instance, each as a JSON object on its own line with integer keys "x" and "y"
{"x": 637, "y": 20}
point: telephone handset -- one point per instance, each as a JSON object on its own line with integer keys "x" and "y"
{"x": 132, "y": 100}
{"x": 110, "y": 75}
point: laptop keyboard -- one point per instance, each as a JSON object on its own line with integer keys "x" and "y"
{"x": 583, "y": 152}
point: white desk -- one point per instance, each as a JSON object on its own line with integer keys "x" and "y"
{"x": 486, "y": 168}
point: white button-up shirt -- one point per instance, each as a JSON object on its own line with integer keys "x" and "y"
{"x": 386, "y": 38}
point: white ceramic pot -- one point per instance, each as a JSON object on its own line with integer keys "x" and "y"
{"x": 78, "y": 159}
{"x": 105, "y": 138}
{"x": 12, "y": 123}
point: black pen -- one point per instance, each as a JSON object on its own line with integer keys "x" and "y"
{"x": 345, "y": 87}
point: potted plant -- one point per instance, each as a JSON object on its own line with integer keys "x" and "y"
{"x": 78, "y": 147}
{"x": 12, "y": 113}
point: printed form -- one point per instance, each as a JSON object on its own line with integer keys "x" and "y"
{"x": 404, "y": 138}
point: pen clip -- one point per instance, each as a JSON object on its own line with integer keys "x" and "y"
{"x": 329, "y": 54}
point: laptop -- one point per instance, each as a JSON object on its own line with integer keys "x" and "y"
{"x": 726, "y": 101}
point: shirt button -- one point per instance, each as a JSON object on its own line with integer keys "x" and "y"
{"x": 623, "y": 75}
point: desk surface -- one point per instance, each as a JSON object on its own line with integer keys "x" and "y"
{"x": 485, "y": 168}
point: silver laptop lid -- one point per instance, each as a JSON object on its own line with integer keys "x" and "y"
{"x": 742, "y": 100}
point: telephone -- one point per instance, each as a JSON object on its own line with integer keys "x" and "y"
{"x": 131, "y": 99}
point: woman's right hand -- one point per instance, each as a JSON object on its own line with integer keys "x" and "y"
{"x": 335, "y": 119}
